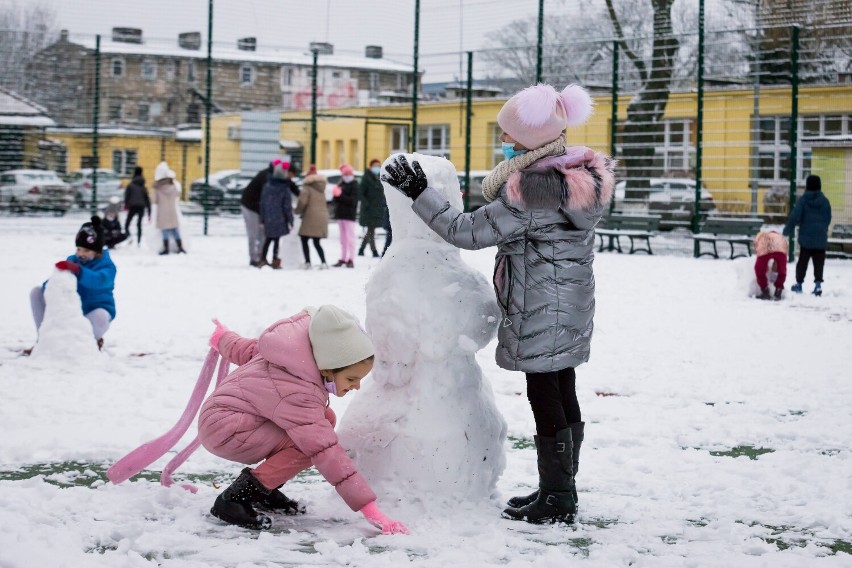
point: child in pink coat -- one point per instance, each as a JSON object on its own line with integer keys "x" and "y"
{"x": 274, "y": 409}
{"x": 771, "y": 250}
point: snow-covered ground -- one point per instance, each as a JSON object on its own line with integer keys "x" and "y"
{"x": 719, "y": 428}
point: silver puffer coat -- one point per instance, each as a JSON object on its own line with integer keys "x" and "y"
{"x": 543, "y": 225}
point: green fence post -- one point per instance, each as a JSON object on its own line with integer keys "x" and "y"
{"x": 205, "y": 200}
{"x": 314, "y": 69}
{"x": 794, "y": 130}
{"x": 415, "y": 89}
{"x": 96, "y": 112}
{"x": 468, "y": 117}
{"x": 538, "y": 47}
{"x": 613, "y": 127}
{"x": 699, "y": 134}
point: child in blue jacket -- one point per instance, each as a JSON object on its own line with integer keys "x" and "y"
{"x": 95, "y": 274}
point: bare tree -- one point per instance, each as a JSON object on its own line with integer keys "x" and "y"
{"x": 23, "y": 32}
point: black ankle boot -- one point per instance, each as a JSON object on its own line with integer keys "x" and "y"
{"x": 555, "y": 500}
{"x": 233, "y": 505}
{"x": 180, "y": 247}
{"x": 165, "y": 247}
{"x": 274, "y": 500}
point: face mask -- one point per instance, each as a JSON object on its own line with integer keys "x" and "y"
{"x": 377, "y": 170}
{"x": 331, "y": 387}
{"x": 509, "y": 150}
{"x": 347, "y": 179}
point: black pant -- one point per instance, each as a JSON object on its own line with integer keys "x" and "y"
{"x": 130, "y": 213}
{"x": 805, "y": 255}
{"x": 553, "y": 398}
{"x": 307, "y": 252}
{"x": 274, "y": 243}
{"x": 369, "y": 239}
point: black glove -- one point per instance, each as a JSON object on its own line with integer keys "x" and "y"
{"x": 410, "y": 181}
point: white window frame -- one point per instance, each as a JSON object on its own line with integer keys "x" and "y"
{"x": 288, "y": 73}
{"x": 252, "y": 75}
{"x": 191, "y": 71}
{"x": 171, "y": 69}
{"x": 430, "y": 149}
{"x": 122, "y": 65}
{"x": 147, "y": 107}
{"x": 374, "y": 81}
{"x": 121, "y": 164}
{"x": 399, "y": 139}
{"x": 684, "y": 151}
{"x": 110, "y": 106}
{"x": 148, "y": 69}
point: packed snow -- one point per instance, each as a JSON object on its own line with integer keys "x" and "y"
{"x": 718, "y": 427}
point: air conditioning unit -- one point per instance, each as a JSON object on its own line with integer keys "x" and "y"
{"x": 233, "y": 133}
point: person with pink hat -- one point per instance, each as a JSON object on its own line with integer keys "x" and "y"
{"x": 545, "y": 199}
{"x": 346, "y": 211}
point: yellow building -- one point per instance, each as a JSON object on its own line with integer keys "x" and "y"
{"x": 122, "y": 149}
{"x": 735, "y": 146}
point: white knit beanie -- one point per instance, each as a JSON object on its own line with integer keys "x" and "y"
{"x": 337, "y": 338}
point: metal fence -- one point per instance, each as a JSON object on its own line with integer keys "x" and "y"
{"x": 723, "y": 110}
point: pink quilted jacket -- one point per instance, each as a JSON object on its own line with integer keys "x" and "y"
{"x": 770, "y": 241}
{"x": 277, "y": 392}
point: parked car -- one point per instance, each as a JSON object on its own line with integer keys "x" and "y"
{"x": 109, "y": 185}
{"x": 672, "y": 199}
{"x": 220, "y": 182}
{"x": 234, "y": 191}
{"x": 475, "y": 200}
{"x": 22, "y": 190}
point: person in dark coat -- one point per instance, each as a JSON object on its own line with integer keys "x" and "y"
{"x": 371, "y": 197}
{"x": 346, "y": 211}
{"x": 250, "y": 208}
{"x": 812, "y": 213}
{"x": 545, "y": 200}
{"x": 113, "y": 234}
{"x": 276, "y": 210}
{"x": 136, "y": 201}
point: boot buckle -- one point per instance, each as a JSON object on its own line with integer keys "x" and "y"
{"x": 551, "y": 500}
{"x": 560, "y": 447}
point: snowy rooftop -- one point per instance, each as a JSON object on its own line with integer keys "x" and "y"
{"x": 16, "y": 110}
{"x": 222, "y": 52}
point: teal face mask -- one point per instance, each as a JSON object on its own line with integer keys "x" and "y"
{"x": 376, "y": 170}
{"x": 509, "y": 150}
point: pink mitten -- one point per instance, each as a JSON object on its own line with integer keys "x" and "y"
{"x": 372, "y": 513}
{"x": 217, "y": 334}
{"x": 336, "y": 191}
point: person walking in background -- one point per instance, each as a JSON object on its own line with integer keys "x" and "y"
{"x": 314, "y": 212}
{"x": 276, "y": 210}
{"x": 371, "y": 198}
{"x": 771, "y": 250}
{"x": 250, "y": 208}
{"x": 346, "y": 210}
{"x": 166, "y": 196}
{"x": 812, "y": 213}
{"x": 137, "y": 202}
{"x": 544, "y": 202}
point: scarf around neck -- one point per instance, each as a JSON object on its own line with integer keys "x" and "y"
{"x": 494, "y": 181}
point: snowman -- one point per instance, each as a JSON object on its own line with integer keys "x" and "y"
{"x": 425, "y": 429}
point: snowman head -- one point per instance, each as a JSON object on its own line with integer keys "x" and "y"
{"x": 442, "y": 176}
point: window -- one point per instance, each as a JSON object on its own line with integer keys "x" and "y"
{"x": 193, "y": 113}
{"x": 286, "y": 76}
{"x": 400, "y": 82}
{"x": 246, "y": 75}
{"x": 374, "y": 82}
{"x": 143, "y": 110}
{"x": 171, "y": 68}
{"x": 87, "y": 162}
{"x": 774, "y": 158}
{"x": 117, "y": 67}
{"x": 191, "y": 73}
{"x": 149, "y": 69}
{"x": 124, "y": 161}
{"x": 434, "y": 140}
{"x": 677, "y": 152}
{"x": 114, "y": 111}
{"x": 496, "y": 146}
{"x": 399, "y": 139}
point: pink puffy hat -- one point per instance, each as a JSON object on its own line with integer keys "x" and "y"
{"x": 539, "y": 114}
{"x": 346, "y": 170}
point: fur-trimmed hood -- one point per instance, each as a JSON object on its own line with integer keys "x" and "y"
{"x": 580, "y": 179}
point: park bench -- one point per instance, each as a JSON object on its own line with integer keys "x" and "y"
{"x": 634, "y": 227}
{"x": 840, "y": 242}
{"x": 734, "y": 231}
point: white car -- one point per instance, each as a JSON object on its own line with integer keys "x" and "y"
{"x": 672, "y": 199}
{"x": 22, "y": 190}
{"x": 109, "y": 186}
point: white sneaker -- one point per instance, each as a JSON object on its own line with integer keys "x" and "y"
{"x": 305, "y": 266}
{"x": 323, "y": 266}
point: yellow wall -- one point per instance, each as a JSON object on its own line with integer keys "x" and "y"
{"x": 151, "y": 150}
{"x": 224, "y": 153}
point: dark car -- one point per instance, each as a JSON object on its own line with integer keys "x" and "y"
{"x": 220, "y": 183}
{"x": 475, "y": 199}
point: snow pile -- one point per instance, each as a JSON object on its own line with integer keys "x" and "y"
{"x": 426, "y": 428}
{"x": 65, "y": 333}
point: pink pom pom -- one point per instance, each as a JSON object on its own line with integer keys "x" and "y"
{"x": 535, "y": 105}
{"x": 578, "y": 104}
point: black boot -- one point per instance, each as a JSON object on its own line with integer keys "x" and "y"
{"x": 233, "y": 505}
{"x": 577, "y": 441}
{"x": 165, "y": 247}
{"x": 555, "y": 501}
{"x": 180, "y": 247}
{"x": 274, "y": 500}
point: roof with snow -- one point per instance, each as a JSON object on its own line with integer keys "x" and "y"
{"x": 16, "y": 110}
{"x": 221, "y": 52}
